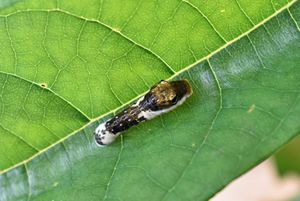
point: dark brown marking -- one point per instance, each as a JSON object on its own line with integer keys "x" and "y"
{"x": 165, "y": 94}
{"x": 124, "y": 120}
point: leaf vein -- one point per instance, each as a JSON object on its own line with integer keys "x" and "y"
{"x": 50, "y": 90}
{"x": 11, "y": 45}
{"x": 207, "y": 134}
{"x": 19, "y": 137}
{"x": 293, "y": 19}
{"x": 207, "y": 19}
{"x": 244, "y": 12}
{"x": 114, "y": 170}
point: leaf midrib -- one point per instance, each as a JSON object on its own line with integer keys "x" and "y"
{"x": 175, "y": 74}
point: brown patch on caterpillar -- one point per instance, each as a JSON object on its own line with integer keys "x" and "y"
{"x": 166, "y": 94}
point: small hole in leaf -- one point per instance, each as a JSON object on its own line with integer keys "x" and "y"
{"x": 44, "y": 85}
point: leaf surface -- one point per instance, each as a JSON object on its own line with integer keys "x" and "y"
{"x": 65, "y": 64}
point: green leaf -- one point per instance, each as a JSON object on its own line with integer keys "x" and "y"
{"x": 288, "y": 159}
{"x": 66, "y": 64}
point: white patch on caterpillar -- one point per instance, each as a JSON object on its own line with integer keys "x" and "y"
{"x": 103, "y": 136}
{"x": 138, "y": 101}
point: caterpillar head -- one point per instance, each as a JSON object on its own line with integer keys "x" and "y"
{"x": 168, "y": 94}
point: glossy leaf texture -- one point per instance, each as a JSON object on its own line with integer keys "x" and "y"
{"x": 67, "y": 66}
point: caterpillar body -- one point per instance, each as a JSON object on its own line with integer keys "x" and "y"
{"x": 161, "y": 98}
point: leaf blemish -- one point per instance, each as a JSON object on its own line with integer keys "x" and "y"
{"x": 55, "y": 184}
{"x": 116, "y": 30}
{"x": 44, "y": 85}
{"x": 251, "y": 108}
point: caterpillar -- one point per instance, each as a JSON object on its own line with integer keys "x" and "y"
{"x": 161, "y": 98}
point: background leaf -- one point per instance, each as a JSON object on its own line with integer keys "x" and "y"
{"x": 287, "y": 158}
{"x": 63, "y": 64}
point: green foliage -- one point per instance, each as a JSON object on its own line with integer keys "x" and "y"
{"x": 65, "y": 64}
{"x": 288, "y": 159}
